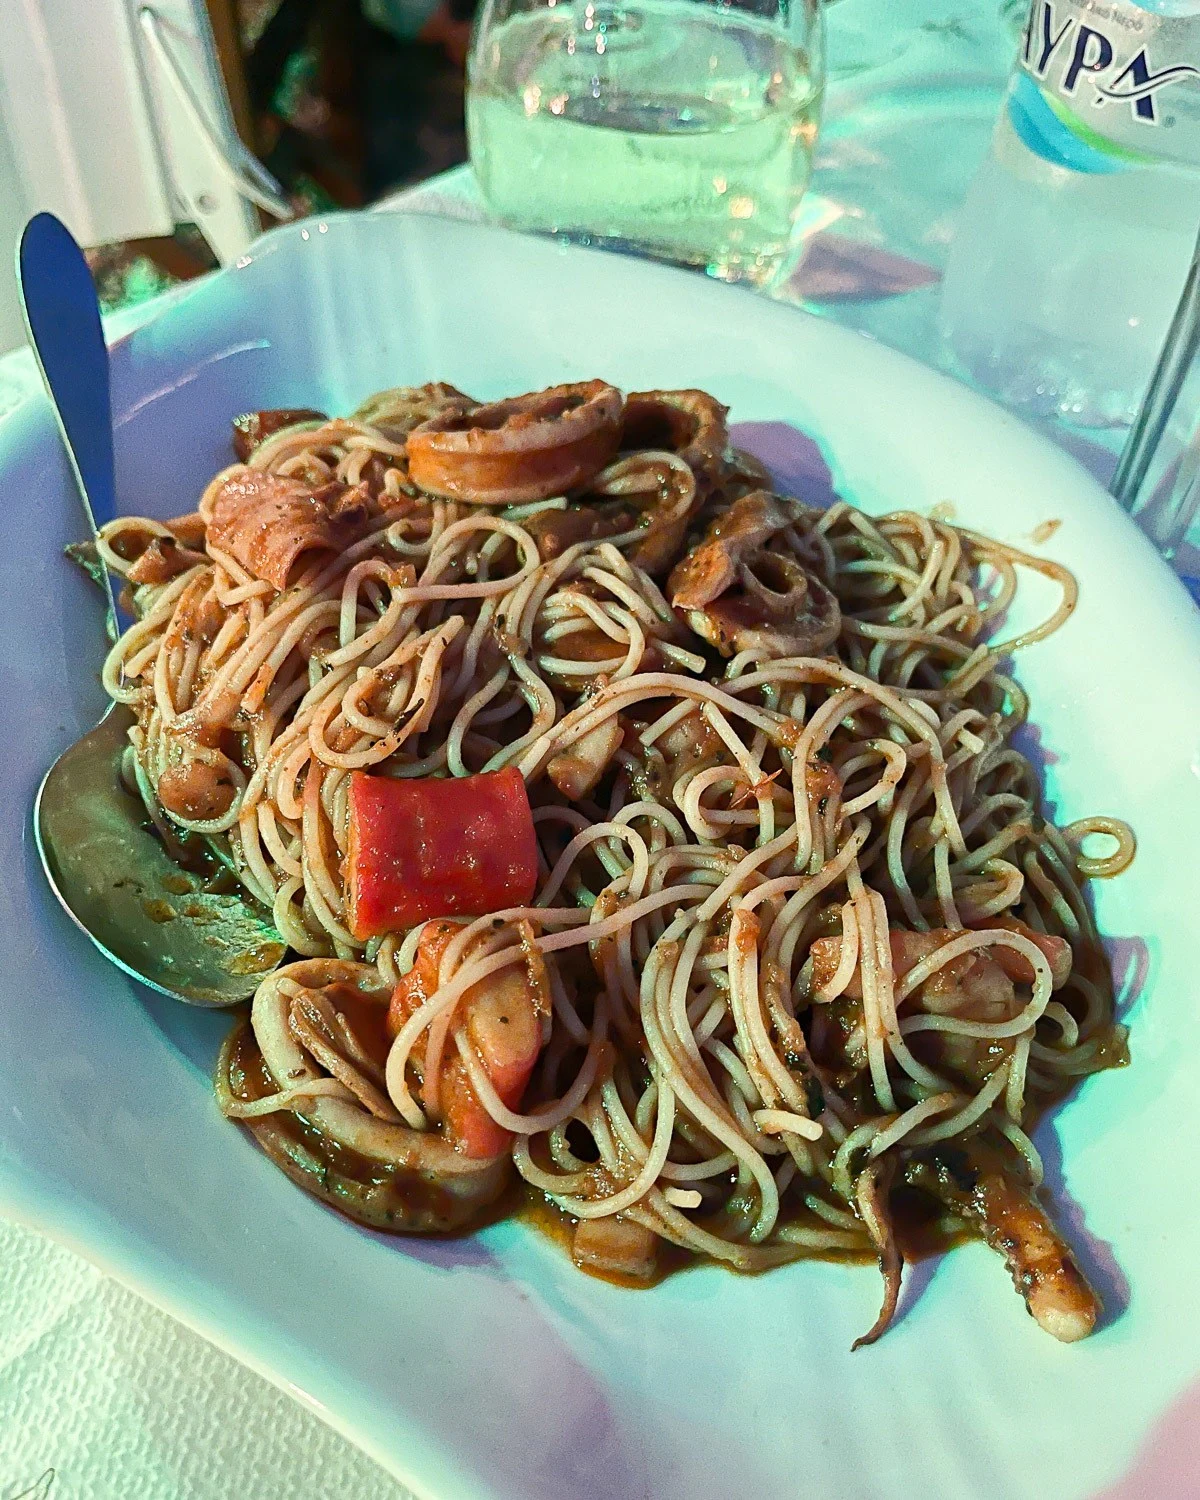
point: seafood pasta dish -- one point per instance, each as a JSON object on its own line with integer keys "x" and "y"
{"x": 644, "y": 842}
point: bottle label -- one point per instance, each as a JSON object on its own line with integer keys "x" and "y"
{"x": 1102, "y": 85}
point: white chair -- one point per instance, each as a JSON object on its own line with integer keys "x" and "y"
{"x": 115, "y": 117}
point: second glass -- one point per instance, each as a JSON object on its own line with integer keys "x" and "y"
{"x": 682, "y": 129}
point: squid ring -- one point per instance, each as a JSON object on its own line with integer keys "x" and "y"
{"x": 406, "y": 1180}
{"x": 514, "y": 452}
{"x": 690, "y": 424}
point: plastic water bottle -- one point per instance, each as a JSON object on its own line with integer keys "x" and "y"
{"x": 1076, "y": 234}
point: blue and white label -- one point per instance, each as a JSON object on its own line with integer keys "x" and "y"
{"x": 1102, "y": 86}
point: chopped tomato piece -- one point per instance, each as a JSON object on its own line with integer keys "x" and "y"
{"x": 433, "y": 847}
{"x": 503, "y": 1021}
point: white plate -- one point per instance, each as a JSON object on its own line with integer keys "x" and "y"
{"x": 489, "y": 1367}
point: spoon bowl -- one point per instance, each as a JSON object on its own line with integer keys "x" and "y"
{"x": 179, "y": 926}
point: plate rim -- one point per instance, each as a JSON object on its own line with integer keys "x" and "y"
{"x": 28, "y": 1202}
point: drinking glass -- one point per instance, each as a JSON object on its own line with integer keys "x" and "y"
{"x": 681, "y": 129}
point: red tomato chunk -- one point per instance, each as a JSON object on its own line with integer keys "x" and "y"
{"x": 437, "y": 847}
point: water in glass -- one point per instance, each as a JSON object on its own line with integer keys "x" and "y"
{"x": 677, "y": 128}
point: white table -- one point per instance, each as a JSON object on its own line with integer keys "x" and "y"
{"x": 116, "y": 1398}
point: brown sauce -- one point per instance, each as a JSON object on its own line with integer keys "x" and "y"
{"x": 923, "y": 1226}
{"x": 922, "y": 1230}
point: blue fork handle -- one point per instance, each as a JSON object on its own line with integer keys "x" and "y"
{"x": 62, "y": 316}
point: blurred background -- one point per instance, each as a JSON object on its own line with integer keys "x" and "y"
{"x": 343, "y": 101}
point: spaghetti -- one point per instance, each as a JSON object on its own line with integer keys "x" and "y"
{"x": 799, "y": 948}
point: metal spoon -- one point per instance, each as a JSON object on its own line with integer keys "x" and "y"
{"x": 182, "y": 931}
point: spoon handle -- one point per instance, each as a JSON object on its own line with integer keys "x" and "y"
{"x": 62, "y": 315}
